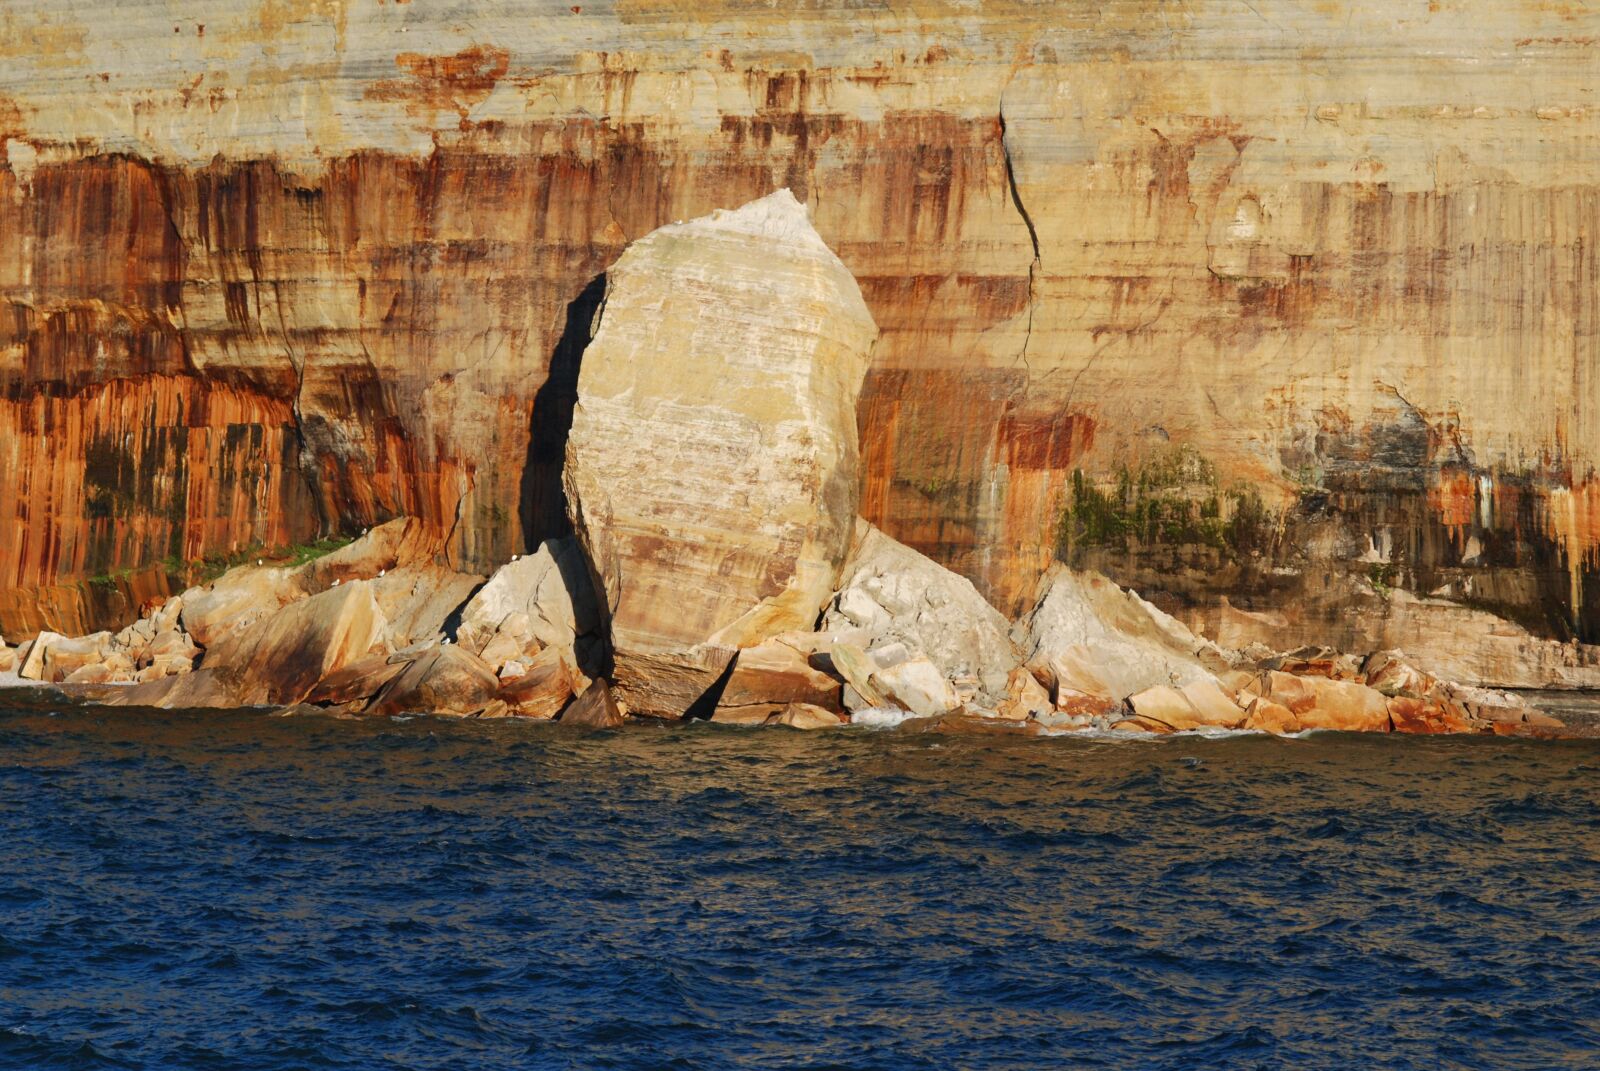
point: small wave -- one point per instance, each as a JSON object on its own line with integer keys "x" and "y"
{"x": 880, "y": 717}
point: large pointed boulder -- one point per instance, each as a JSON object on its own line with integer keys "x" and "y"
{"x": 711, "y": 470}
{"x": 903, "y": 608}
{"x": 1096, "y": 639}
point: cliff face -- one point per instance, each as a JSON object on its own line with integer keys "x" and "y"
{"x": 1227, "y": 299}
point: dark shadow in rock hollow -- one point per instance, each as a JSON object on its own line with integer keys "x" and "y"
{"x": 543, "y": 504}
{"x": 703, "y": 708}
{"x": 542, "y": 507}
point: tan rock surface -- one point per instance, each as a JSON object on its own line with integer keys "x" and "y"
{"x": 358, "y": 680}
{"x": 288, "y": 653}
{"x": 891, "y": 595}
{"x": 596, "y": 708}
{"x": 711, "y": 468}
{"x": 670, "y": 686}
{"x": 64, "y": 657}
{"x": 1097, "y": 639}
{"x": 1198, "y": 704}
{"x": 544, "y": 599}
{"x": 543, "y": 691}
{"x": 441, "y": 680}
{"x": 31, "y": 655}
{"x": 770, "y": 677}
{"x": 806, "y": 716}
{"x": 418, "y": 600}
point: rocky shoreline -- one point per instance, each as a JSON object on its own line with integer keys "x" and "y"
{"x": 717, "y": 567}
{"x": 365, "y": 631}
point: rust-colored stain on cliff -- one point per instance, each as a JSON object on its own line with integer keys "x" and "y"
{"x": 435, "y": 84}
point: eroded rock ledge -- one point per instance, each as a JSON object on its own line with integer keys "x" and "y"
{"x": 719, "y": 569}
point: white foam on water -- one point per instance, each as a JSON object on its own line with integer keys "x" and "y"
{"x": 880, "y": 717}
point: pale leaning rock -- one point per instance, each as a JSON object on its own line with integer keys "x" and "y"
{"x": 545, "y": 599}
{"x": 711, "y": 470}
{"x": 1098, "y": 639}
{"x": 30, "y": 656}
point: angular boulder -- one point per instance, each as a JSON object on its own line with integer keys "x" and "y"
{"x": 1097, "y": 639}
{"x": 1319, "y": 703}
{"x": 63, "y": 657}
{"x": 711, "y": 469}
{"x": 596, "y": 708}
{"x": 890, "y": 595}
{"x": 30, "y": 656}
{"x": 361, "y": 679}
{"x": 917, "y": 685}
{"x": 769, "y": 678}
{"x": 542, "y": 691}
{"x": 1198, "y": 704}
{"x": 805, "y": 716}
{"x": 442, "y": 680}
{"x": 546, "y": 599}
{"x": 418, "y": 600}
{"x": 286, "y": 654}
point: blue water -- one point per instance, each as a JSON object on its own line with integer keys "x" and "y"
{"x": 238, "y": 891}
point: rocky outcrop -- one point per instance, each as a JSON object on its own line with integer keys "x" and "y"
{"x": 1092, "y": 638}
{"x": 904, "y": 609}
{"x": 805, "y": 716}
{"x": 541, "y": 691}
{"x": 292, "y": 268}
{"x": 542, "y": 601}
{"x": 767, "y": 679}
{"x": 596, "y": 708}
{"x": 440, "y": 680}
{"x": 284, "y": 656}
{"x": 711, "y": 469}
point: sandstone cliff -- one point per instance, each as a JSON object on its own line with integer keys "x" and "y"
{"x": 1226, "y": 299}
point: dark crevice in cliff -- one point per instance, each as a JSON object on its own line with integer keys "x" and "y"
{"x": 1033, "y": 233}
{"x": 542, "y": 505}
{"x": 296, "y": 413}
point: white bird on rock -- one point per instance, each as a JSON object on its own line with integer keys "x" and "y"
{"x": 334, "y": 584}
{"x": 382, "y": 571}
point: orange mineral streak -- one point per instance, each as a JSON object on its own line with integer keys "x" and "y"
{"x": 1573, "y": 516}
{"x": 1453, "y": 497}
{"x": 119, "y": 476}
{"x": 444, "y": 83}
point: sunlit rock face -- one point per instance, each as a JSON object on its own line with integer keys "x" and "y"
{"x": 711, "y": 464}
{"x": 291, "y": 266}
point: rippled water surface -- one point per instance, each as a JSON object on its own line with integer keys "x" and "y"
{"x": 239, "y": 891}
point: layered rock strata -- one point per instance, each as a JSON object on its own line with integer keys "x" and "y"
{"x": 291, "y": 267}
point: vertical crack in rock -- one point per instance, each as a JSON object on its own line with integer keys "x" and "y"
{"x": 1033, "y": 233}
{"x": 307, "y": 462}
